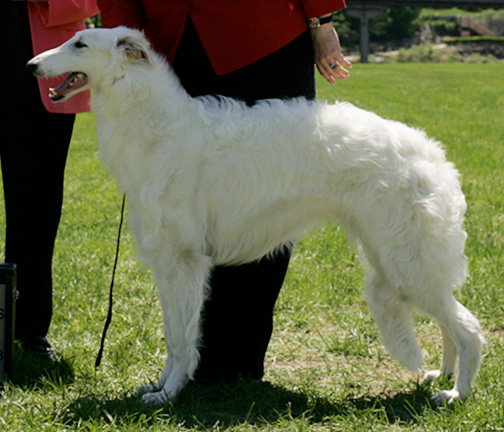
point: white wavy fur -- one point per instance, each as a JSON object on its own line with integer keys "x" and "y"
{"x": 212, "y": 181}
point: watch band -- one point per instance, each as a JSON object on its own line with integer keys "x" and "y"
{"x": 316, "y": 22}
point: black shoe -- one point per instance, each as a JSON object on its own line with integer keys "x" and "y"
{"x": 39, "y": 345}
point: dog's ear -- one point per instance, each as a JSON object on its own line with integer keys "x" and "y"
{"x": 135, "y": 50}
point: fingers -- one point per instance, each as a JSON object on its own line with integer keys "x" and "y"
{"x": 332, "y": 70}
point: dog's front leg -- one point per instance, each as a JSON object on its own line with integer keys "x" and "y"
{"x": 181, "y": 289}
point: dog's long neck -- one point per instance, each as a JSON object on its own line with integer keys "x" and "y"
{"x": 138, "y": 114}
{"x": 152, "y": 90}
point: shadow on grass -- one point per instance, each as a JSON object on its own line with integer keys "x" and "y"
{"x": 229, "y": 405}
{"x": 34, "y": 371}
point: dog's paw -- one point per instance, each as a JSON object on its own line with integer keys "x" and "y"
{"x": 431, "y": 376}
{"x": 446, "y": 397}
{"x": 156, "y": 398}
{"x": 146, "y": 388}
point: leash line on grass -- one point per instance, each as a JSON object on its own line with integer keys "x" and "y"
{"x": 111, "y": 293}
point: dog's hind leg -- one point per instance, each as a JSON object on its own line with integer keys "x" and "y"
{"x": 464, "y": 330}
{"x": 449, "y": 360}
{"x": 394, "y": 319}
{"x": 181, "y": 287}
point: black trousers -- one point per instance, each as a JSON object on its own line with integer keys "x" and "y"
{"x": 238, "y": 316}
{"x": 33, "y": 151}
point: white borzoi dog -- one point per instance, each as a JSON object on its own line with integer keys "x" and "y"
{"x": 211, "y": 181}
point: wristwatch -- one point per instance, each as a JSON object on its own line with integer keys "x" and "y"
{"x": 316, "y": 22}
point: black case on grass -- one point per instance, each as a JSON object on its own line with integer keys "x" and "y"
{"x": 8, "y": 295}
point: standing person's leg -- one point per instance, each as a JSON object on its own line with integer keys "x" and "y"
{"x": 33, "y": 154}
{"x": 33, "y": 150}
{"x": 238, "y": 316}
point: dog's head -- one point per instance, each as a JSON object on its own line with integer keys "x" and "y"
{"x": 92, "y": 58}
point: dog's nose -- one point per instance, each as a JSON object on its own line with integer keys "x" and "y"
{"x": 31, "y": 66}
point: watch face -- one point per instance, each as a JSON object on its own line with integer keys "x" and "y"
{"x": 314, "y": 22}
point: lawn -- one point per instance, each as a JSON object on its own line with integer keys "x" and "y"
{"x": 326, "y": 367}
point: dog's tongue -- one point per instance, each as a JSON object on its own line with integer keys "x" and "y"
{"x": 74, "y": 81}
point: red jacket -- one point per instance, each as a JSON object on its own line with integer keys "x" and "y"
{"x": 51, "y": 24}
{"x": 234, "y": 33}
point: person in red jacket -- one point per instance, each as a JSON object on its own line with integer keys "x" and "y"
{"x": 34, "y": 140}
{"x": 248, "y": 50}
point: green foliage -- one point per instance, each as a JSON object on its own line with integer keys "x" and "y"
{"x": 326, "y": 367}
{"x": 396, "y": 22}
{"x": 443, "y": 26}
{"x": 474, "y": 39}
{"x": 449, "y": 12}
{"x": 348, "y": 30}
{"x": 94, "y": 22}
{"x": 429, "y": 53}
{"x": 426, "y": 53}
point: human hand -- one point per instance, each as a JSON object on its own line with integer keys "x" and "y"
{"x": 329, "y": 59}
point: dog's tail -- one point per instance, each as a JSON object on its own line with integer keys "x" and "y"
{"x": 394, "y": 319}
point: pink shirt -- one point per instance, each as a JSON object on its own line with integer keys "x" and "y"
{"x": 52, "y": 24}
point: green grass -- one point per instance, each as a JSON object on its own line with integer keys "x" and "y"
{"x": 326, "y": 367}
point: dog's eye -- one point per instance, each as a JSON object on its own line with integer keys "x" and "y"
{"x": 80, "y": 44}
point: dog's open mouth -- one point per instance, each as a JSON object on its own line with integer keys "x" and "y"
{"x": 73, "y": 82}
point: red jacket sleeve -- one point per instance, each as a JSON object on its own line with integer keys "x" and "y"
{"x": 315, "y": 8}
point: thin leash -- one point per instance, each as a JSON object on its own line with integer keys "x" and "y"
{"x": 111, "y": 296}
